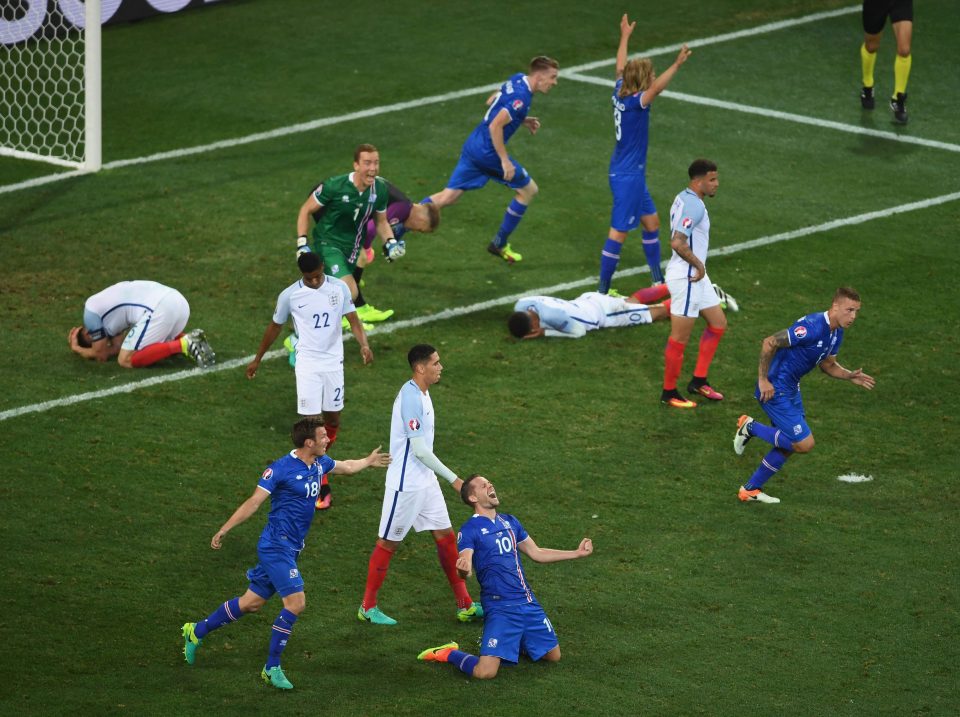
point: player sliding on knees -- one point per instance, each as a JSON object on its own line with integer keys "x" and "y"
{"x": 490, "y": 543}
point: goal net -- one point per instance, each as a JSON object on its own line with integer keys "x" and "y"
{"x": 50, "y": 81}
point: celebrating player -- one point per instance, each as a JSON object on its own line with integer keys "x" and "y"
{"x": 484, "y": 155}
{"x": 490, "y": 542}
{"x": 690, "y": 289}
{"x": 412, "y": 497}
{"x": 785, "y": 358}
{"x": 317, "y": 303}
{"x": 350, "y": 201}
{"x": 139, "y": 322}
{"x": 636, "y": 89}
{"x": 537, "y": 316}
{"x": 292, "y": 483}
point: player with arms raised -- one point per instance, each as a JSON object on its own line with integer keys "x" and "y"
{"x": 785, "y": 358}
{"x": 491, "y": 543}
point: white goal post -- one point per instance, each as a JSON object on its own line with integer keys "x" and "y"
{"x": 50, "y": 86}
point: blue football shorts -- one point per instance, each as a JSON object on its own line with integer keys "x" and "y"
{"x": 509, "y": 630}
{"x": 277, "y": 572}
{"x": 786, "y": 413}
{"x": 631, "y": 200}
{"x": 472, "y": 173}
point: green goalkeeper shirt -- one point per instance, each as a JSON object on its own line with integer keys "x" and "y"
{"x": 346, "y": 212}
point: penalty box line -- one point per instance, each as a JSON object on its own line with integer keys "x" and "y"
{"x": 481, "y": 306}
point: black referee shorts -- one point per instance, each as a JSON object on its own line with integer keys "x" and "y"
{"x": 876, "y": 12}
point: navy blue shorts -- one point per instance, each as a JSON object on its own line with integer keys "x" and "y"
{"x": 631, "y": 200}
{"x": 509, "y": 630}
{"x": 277, "y": 572}
{"x": 473, "y": 173}
{"x": 786, "y": 413}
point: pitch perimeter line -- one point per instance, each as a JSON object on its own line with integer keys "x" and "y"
{"x": 481, "y": 306}
{"x": 785, "y": 116}
{"x": 410, "y": 104}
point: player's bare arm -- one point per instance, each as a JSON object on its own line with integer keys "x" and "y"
{"x": 679, "y": 243}
{"x": 626, "y": 29}
{"x": 97, "y": 351}
{"x": 384, "y": 230}
{"x": 549, "y": 555}
{"x": 356, "y": 328}
{"x": 465, "y": 563}
{"x": 247, "y": 508}
{"x": 768, "y": 349}
{"x": 376, "y": 459}
{"x": 833, "y": 369}
{"x": 270, "y": 335}
{"x": 660, "y": 84}
{"x": 306, "y": 212}
{"x": 496, "y": 137}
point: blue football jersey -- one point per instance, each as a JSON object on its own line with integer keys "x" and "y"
{"x": 631, "y": 129}
{"x": 496, "y": 559}
{"x": 514, "y": 97}
{"x": 293, "y": 489}
{"x": 811, "y": 341}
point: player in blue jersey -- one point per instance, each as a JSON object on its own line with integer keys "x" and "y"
{"x": 636, "y": 88}
{"x": 484, "y": 155}
{"x": 292, "y": 483}
{"x": 491, "y": 543}
{"x": 785, "y": 358}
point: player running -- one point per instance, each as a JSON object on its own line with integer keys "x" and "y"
{"x": 785, "y": 358}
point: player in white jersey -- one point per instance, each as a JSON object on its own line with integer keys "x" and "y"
{"x": 536, "y": 316}
{"x": 139, "y": 322}
{"x": 691, "y": 291}
{"x": 412, "y": 498}
{"x": 317, "y": 303}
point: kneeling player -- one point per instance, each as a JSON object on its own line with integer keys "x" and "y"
{"x": 514, "y": 619}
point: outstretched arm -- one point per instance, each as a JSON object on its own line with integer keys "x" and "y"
{"x": 376, "y": 458}
{"x": 247, "y": 508}
{"x": 660, "y": 84}
{"x": 830, "y": 367}
{"x": 548, "y": 555}
{"x": 626, "y": 28}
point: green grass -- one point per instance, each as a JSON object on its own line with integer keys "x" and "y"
{"x": 841, "y": 600}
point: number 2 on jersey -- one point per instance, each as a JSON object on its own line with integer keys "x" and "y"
{"x": 326, "y": 320}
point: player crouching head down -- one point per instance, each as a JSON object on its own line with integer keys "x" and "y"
{"x": 522, "y": 324}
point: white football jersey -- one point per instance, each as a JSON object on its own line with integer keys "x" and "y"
{"x": 689, "y": 216}
{"x": 115, "y": 309}
{"x": 317, "y": 315}
{"x": 412, "y": 417}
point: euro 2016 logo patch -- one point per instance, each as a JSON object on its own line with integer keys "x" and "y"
{"x": 413, "y": 424}
{"x": 800, "y": 332}
{"x": 267, "y": 474}
{"x": 517, "y": 104}
{"x": 686, "y": 223}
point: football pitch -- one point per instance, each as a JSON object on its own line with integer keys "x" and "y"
{"x": 842, "y": 599}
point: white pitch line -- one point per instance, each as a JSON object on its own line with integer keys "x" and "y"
{"x": 481, "y": 306}
{"x": 785, "y": 116}
{"x": 411, "y": 104}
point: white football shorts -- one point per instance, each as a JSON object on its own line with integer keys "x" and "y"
{"x": 164, "y": 323}
{"x": 617, "y": 311}
{"x": 318, "y": 391}
{"x": 689, "y": 299}
{"x": 421, "y": 510}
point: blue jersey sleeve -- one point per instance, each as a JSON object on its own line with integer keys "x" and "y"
{"x": 466, "y": 538}
{"x": 267, "y": 480}
{"x": 411, "y": 410}
{"x": 802, "y": 333}
{"x": 519, "y": 530}
{"x": 327, "y": 464}
{"x": 836, "y": 346}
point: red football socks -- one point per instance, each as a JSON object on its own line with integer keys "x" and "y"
{"x": 651, "y": 294}
{"x": 708, "y": 347}
{"x": 376, "y": 574}
{"x": 447, "y": 552}
{"x": 155, "y": 352}
{"x": 672, "y": 363}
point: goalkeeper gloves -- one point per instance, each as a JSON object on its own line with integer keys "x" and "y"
{"x": 393, "y": 249}
{"x": 302, "y": 246}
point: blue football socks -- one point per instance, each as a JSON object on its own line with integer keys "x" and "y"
{"x": 609, "y": 258}
{"x": 769, "y": 466}
{"x": 464, "y": 661}
{"x": 773, "y": 436}
{"x": 282, "y": 627}
{"x": 228, "y": 612}
{"x": 511, "y": 218}
{"x": 651, "y": 247}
